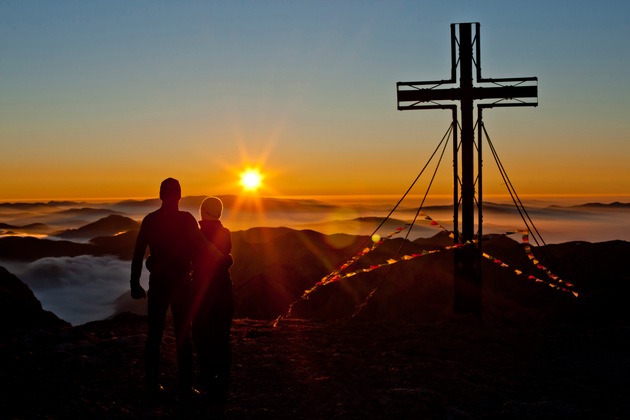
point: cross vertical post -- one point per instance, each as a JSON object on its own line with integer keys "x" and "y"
{"x": 505, "y": 92}
{"x": 467, "y": 271}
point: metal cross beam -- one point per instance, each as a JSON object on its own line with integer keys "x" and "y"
{"x": 505, "y": 92}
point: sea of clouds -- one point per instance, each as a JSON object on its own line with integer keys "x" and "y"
{"x": 84, "y": 288}
{"x": 77, "y": 289}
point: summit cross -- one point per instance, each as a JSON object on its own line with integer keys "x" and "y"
{"x": 504, "y": 92}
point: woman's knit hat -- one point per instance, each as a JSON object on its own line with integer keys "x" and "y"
{"x": 211, "y": 209}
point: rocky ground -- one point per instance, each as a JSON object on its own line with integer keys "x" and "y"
{"x": 540, "y": 353}
{"x": 344, "y": 369}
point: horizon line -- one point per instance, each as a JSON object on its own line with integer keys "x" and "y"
{"x": 341, "y": 197}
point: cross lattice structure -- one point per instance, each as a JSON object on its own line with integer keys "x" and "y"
{"x": 504, "y": 92}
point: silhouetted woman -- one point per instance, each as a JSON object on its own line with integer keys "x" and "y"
{"x": 214, "y": 306}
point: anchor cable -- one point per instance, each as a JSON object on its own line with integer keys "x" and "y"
{"x": 517, "y": 201}
{"x": 360, "y": 307}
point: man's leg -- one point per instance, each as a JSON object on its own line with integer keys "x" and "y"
{"x": 180, "y": 308}
{"x": 158, "y": 301}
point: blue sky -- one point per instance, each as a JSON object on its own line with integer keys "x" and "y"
{"x": 104, "y": 99}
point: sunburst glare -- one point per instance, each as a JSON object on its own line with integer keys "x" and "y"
{"x": 251, "y": 179}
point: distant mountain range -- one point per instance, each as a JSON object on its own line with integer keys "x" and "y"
{"x": 245, "y": 203}
{"x": 111, "y": 235}
{"x": 245, "y": 212}
{"x": 107, "y": 226}
{"x": 274, "y": 266}
{"x": 616, "y": 205}
{"x": 8, "y": 229}
{"x": 32, "y": 226}
{"x": 41, "y": 204}
{"x": 230, "y": 201}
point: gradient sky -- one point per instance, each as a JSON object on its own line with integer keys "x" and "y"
{"x": 105, "y": 99}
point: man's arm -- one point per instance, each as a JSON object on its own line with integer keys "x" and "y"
{"x": 200, "y": 243}
{"x": 137, "y": 292}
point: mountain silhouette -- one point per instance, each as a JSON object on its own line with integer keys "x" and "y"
{"x": 31, "y": 228}
{"x": 231, "y": 202}
{"x": 86, "y": 211}
{"x": 19, "y": 308}
{"x": 613, "y": 205}
{"x": 31, "y": 249}
{"x": 274, "y": 266}
{"x": 39, "y": 205}
{"x": 420, "y": 290}
{"x": 107, "y": 226}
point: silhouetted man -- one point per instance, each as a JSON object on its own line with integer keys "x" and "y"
{"x": 173, "y": 237}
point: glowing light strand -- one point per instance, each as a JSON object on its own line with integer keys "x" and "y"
{"x": 531, "y": 277}
{"x": 536, "y": 263}
{"x": 337, "y": 275}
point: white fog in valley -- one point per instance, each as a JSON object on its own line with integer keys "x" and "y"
{"x": 76, "y": 289}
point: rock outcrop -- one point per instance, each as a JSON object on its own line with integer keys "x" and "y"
{"x": 19, "y": 308}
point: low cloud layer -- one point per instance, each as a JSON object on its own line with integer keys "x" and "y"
{"x": 79, "y": 289}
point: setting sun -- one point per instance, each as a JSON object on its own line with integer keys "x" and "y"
{"x": 251, "y": 179}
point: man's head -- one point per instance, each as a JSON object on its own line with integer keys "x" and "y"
{"x": 170, "y": 190}
{"x": 211, "y": 209}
